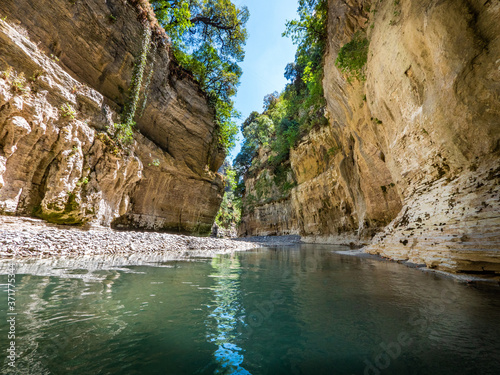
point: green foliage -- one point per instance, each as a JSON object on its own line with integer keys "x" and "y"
{"x": 124, "y": 133}
{"x": 310, "y": 28}
{"x": 305, "y": 93}
{"x": 231, "y": 182}
{"x": 287, "y": 116}
{"x": 37, "y": 74}
{"x": 68, "y": 111}
{"x": 261, "y": 187}
{"x": 148, "y": 81}
{"x": 287, "y": 186}
{"x": 137, "y": 77}
{"x": 174, "y": 16}
{"x": 207, "y": 39}
{"x": 353, "y": 56}
{"x": 226, "y": 127}
{"x": 83, "y": 181}
{"x": 230, "y": 210}
{"x": 19, "y": 83}
{"x": 249, "y": 203}
{"x": 114, "y": 147}
{"x": 259, "y": 130}
{"x": 333, "y": 151}
{"x": 280, "y": 178}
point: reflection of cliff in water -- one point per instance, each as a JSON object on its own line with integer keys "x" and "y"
{"x": 227, "y": 308}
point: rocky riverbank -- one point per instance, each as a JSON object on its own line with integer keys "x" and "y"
{"x": 27, "y": 237}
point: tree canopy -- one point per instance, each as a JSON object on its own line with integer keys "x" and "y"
{"x": 289, "y": 115}
{"x": 207, "y": 38}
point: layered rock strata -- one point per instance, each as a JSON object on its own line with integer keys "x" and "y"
{"x": 412, "y": 152}
{"x": 66, "y": 72}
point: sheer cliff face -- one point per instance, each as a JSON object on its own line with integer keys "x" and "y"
{"x": 434, "y": 82}
{"x": 416, "y": 145}
{"x": 62, "y": 166}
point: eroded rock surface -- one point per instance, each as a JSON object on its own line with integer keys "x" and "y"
{"x": 58, "y": 162}
{"x": 411, "y": 153}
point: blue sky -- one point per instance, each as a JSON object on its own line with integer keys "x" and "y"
{"x": 267, "y": 54}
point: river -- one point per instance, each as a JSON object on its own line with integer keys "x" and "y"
{"x": 290, "y": 310}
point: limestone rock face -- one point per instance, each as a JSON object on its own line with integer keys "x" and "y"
{"x": 434, "y": 82}
{"x": 267, "y": 208}
{"x": 97, "y": 43}
{"x": 412, "y": 152}
{"x": 64, "y": 74}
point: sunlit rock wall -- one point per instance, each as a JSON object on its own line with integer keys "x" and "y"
{"x": 434, "y": 82}
{"x": 65, "y": 169}
{"x": 412, "y": 152}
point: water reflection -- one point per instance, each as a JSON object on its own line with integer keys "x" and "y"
{"x": 229, "y": 356}
{"x": 91, "y": 268}
{"x": 302, "y": 310}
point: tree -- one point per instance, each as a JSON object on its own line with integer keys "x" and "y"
{"x": 230, "y": 210}
{"x": 288, "y": 115}
{"x": 193, "y": 23}
{"x": 208, "y": 38}
{"x": 256, "y": 129}
{"x": 309, "y": 33}
{"x": 270, "y": 100}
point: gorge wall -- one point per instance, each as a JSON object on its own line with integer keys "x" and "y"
{"x": 65, "y": 72}
{"x": 409, "y": 163}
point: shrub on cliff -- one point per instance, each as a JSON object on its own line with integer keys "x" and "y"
{"x": 300, "y": 107}
{"x": 353, "y": 56}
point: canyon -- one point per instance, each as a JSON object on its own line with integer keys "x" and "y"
{"x": 409, "y": 162}
{"x": 365, "y": 197}
{"x": 406, "y": 166}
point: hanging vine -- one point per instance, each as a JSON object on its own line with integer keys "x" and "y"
{"x": 124, "y": 131}
{"x": 148, "y": 81}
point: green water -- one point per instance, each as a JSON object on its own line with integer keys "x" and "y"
{"x": 295, "y": 310}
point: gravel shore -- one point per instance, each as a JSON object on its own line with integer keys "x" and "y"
{"x": 22, "y": 237}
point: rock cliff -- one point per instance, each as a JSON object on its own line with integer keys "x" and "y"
{"x": 410, "y": 160}
{"x": 66, "y": 69}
